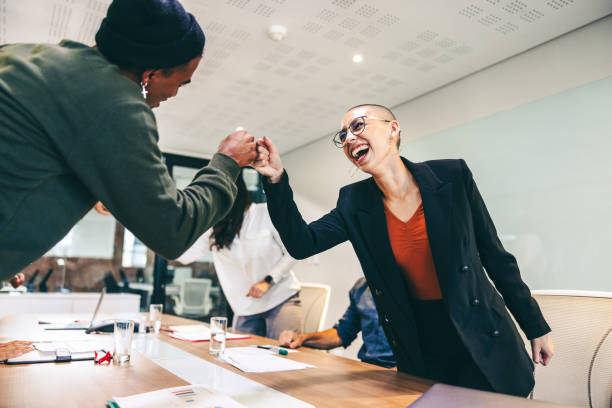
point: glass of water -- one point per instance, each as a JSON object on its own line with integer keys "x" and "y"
{"x": 218, "y": 327}
{"x": 124, "y": 332}
{"x": 155, "y": 316}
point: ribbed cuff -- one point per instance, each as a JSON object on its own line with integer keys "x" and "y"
{"x": 226, "y": 164}
{"x": 275, "y": 187}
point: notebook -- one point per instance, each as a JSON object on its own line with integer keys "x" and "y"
{"x": 184, "y": 396}
{"x": 442, "y": 395}
{"x": 52, "y": 352}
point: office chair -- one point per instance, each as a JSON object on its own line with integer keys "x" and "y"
{"x": 30, "y": 285}
{"x": 42, "y": 286}
{"x": 580, "y": 372}
{"x": 194, "y": 298}
{"x": 111, "y": 283}
{"x": 314, "y": 298}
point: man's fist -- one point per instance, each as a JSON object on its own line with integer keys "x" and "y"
{"x": 240, "y": 146}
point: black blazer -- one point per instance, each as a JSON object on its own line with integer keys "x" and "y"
{"x": 463, "y": 240}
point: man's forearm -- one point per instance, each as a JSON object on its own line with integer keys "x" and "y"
{"x": 324, "y": 340}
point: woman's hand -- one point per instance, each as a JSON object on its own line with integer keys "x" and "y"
{"x": 542, "y": 349}
{"x": 101, "y": 209}
{"x": 17, "y": 280}
{"x": 259, "y": 289}
{"x": 14, "y": 349}
{"x": 268, "y": 162}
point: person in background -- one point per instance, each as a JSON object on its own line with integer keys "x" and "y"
{"x": 77, "y": 127}
{"x": 440, "y": 277}
{"x": 361, "y": 315}
{"x": 14, "y": 349}
{"x": 253, "y": 268}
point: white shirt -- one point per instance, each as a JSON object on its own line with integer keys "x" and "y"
{"x": 257, "y": 251}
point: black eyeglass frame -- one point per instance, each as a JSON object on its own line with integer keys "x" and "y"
{"x": 340, "y": 136}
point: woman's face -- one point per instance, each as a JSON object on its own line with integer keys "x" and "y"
{"x": 376, "y": 143}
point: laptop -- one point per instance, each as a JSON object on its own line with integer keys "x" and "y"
{"x": 442, "y": 395}
{"x": 79, "y": 325}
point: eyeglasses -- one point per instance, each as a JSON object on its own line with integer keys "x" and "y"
{"x": 356, "y": 127}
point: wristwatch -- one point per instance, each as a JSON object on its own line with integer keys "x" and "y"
{"x": 269, "y": 280}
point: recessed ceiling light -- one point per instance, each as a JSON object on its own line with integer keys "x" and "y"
{"x": 277, "y": 32}
{"x": 357, "y": 58}
{"x": 239, "y": 128}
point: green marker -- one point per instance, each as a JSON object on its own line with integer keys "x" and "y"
{"x": 277, "y": 350}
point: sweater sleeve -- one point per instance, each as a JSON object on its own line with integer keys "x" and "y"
{"x": 119, "y": 161}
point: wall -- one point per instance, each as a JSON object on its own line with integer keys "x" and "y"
{"x": 480, "y": 118}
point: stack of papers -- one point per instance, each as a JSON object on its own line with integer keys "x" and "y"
{"x": 256, "y": 360}
{"x": 199, "y": 332}
{"x": 177, "y": 397}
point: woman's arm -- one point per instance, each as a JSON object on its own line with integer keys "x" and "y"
{"x": 302, "y": 240}
{"x": 199, "y": 248}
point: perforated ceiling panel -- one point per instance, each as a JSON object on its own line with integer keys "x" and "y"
{"x": 297, "y": 90}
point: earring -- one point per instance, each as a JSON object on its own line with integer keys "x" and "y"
{"x": 143, "y": 89}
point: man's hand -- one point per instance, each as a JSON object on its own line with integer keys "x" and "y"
{"x": 259, "y": 289}
{"x": 101, "y": 209}
{"x": 17, "y": 280}
{"x": 14, "y": 349}
{"x": 268, "y": 162}
{"x": 290, "y": 339}
{"x": 542, "y": 349}
{"x": 240, "y": 146}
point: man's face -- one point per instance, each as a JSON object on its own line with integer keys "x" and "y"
{"x": 375, "y": 143}
{"x": 162, "y": 87}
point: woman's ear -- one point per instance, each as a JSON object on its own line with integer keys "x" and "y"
{"x": 395, "y": 130}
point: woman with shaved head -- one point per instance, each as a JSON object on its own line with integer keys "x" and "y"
{"x": 440, "y": 276}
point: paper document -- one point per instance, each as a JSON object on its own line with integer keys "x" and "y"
{"x": 196, "y": 396}
{"x": 199, "y": 332}
{"x": 256, "y": 360}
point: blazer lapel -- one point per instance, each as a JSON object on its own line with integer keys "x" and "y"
{"x": 373, "y": 226}
{"x": 437, "y": 206}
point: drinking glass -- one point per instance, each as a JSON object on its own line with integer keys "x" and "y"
{"x": 218, "y": 328}
{"x": 155, "y": 316}
{"x": 124, "y": 332}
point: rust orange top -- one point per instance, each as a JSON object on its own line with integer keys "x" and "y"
{"x": 410, "y": 245}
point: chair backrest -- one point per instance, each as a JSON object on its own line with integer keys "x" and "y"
{"x": 181, "y": 273}
{"x": 580, "y": 372}
{"x": 314, "y": 298}
{"x": 195, "y": 296}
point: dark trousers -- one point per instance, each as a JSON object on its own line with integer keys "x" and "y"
{"x": 446, "y": 358}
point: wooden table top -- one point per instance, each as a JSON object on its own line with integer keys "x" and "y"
{"x": 335, "y": 382}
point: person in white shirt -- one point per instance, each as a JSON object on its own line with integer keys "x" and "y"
{"x": 253, "y": 267}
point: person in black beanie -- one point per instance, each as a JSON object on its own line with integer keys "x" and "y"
{"x": 77, "y": 128}
{"x": 154, "y": 42}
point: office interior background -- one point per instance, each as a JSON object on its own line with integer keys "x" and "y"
{"x": 520, "y": 89}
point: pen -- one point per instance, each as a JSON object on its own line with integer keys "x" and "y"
{"x": 275, "y": 349}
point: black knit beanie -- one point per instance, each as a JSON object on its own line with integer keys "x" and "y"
{"x": 149, "y": 34}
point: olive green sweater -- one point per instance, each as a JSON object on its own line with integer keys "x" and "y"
{"x": 74, "y": 131}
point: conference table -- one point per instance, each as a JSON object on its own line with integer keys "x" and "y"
{"x": 159, "y": 361}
